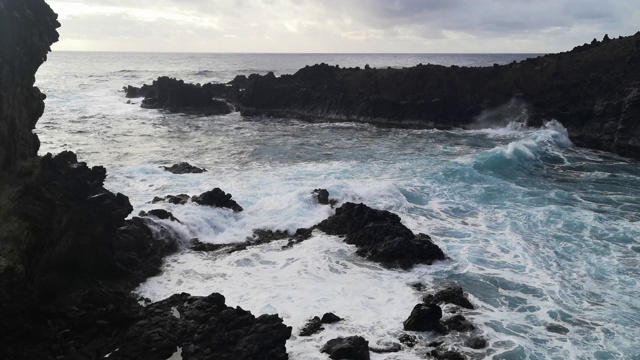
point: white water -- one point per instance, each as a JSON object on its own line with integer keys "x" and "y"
{"x": 539, "y": 232}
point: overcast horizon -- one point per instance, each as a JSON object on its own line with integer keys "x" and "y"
{"x": 334, "y": 26}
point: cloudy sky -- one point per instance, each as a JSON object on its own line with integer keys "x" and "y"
{"x": 335, "y": 26}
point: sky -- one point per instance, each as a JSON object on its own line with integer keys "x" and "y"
{"x": 341, "y": 26}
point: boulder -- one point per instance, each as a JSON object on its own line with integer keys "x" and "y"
{"x": 424, "y": 318}
{"x": 353, "y": 347}
{"x": 217, "y": 198}
{"x": 330, "y": 318}
{"x": 184, "y": 168}
{"x": 380, "y": 236}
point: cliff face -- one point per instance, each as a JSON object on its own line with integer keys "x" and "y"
{"x": 594, "y": 90}
{"x": 27, "y": 30}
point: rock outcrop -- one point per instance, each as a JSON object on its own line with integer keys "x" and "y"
{"x": 593, "y": 90}
{"x": 69, "y": 258}
{"x": 380, "y": 236}
{"x": 27, "y": 30}
{"x": 177, "y": 96}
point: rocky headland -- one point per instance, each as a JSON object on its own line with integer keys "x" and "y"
{"x": 69, "y": 257}
{"x": 593, "y": 90}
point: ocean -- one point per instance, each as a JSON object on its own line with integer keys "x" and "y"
{"x": 542, "y": 235}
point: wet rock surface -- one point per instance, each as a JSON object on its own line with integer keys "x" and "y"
{"x": 592, "y": 90}
{"x": 425, "y": 318}
{"x": 177, "y": 96}
{"x": 27, "y": 30}
{"x": 450, "y": 295}
{"x": 380, "y": 236}
{"x": 213, "y": 198}
{"x": 353, "y": 347}
{"x": 184, "y": 168}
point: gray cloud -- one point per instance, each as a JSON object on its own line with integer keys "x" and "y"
{"x": 355, "y": 25}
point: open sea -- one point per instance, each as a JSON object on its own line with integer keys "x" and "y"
{"x": 543, "y": 236}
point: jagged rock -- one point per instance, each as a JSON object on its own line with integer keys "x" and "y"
{"x": 217, "y": 198}
{"x": 424, "y": 318}
{"x": 27, "y": 30}
{"x": 172, "y": 199}
{"x": 160, "y": 214}
{"x": 450, "y": 295}
{"x": 435, "y": 343}
{"x": 408, "y": 340}
{"x": 205, "y": 328}
{"x": 476, "y": 343}
{"x": 184, "y": 168}
{"x": 177, "y": 96}
{"x": 352, "y": 347}
{"x": 330, "y": 318}
{"x": 380, "y": 236}
{"x": 322, "y": 195}
{"x": 312, "y": 327}
{"x": 555, "y": 86}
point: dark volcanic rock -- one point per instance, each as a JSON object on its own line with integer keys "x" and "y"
{"x": 353, "y": 347}
{"x": 476, "y": 343}
{"x": 313, "y": 326}
{"x": 380, "y": 236}
{"x": 408, "y": 340}
{"x": 27, "y": 30}
{"x": 184, "y": 168}
{"x": 77, "y": 228}
{"x": 592, "y": 90}
{"x": 173, "y": 199}
{"x": 322, "y": 195}
{"x": 217, "y": 198}
{"x": 177, "y": 96}
{"x": 205, "y": 328}
{"x": 458, "y": 323}
{"x": 160, "y": 214}
{"x": 450, "y": 295}
{"x": 424, "y": 318}
{"x": 330, "y": 318}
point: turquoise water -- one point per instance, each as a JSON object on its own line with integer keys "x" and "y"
{"x": 541, "y": 234}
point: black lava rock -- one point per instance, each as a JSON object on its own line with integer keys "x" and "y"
{"x": 380, "y": 236}
{"x": 330, "y": 318}
{"x": 353, "y": 347}
{"x": 476, "y": 343}
{"x": 458, "y": 323}
{"x": 424, "y": 318}
{"x": 451, "y": 295}
{"x": 217, "y": 198}
{"x": 184, "y": 168}
{"x": 313, "y": 326}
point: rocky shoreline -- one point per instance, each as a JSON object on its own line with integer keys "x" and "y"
{"x": 593, "y": 90}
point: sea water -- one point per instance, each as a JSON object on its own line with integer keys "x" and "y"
{"x": 542, "y": 235}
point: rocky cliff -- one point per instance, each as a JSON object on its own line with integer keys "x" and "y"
{"x": 593, "y": 90}
{"x": 27, "y": 30}
{"x": 69, "y": 258}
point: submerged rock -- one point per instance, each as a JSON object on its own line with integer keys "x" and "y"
{"x": 450, "y": 295}
{"x": 458, "y": 323}
{"x": 380, "y": 236}
{"x": 476, "y": 343}
{"x": 160, "y": 214}
{"x": 184, "y": 168}
{"x": 353, "y": 347}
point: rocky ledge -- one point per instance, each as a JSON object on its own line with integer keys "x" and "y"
{"x": 593, "y": 90}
